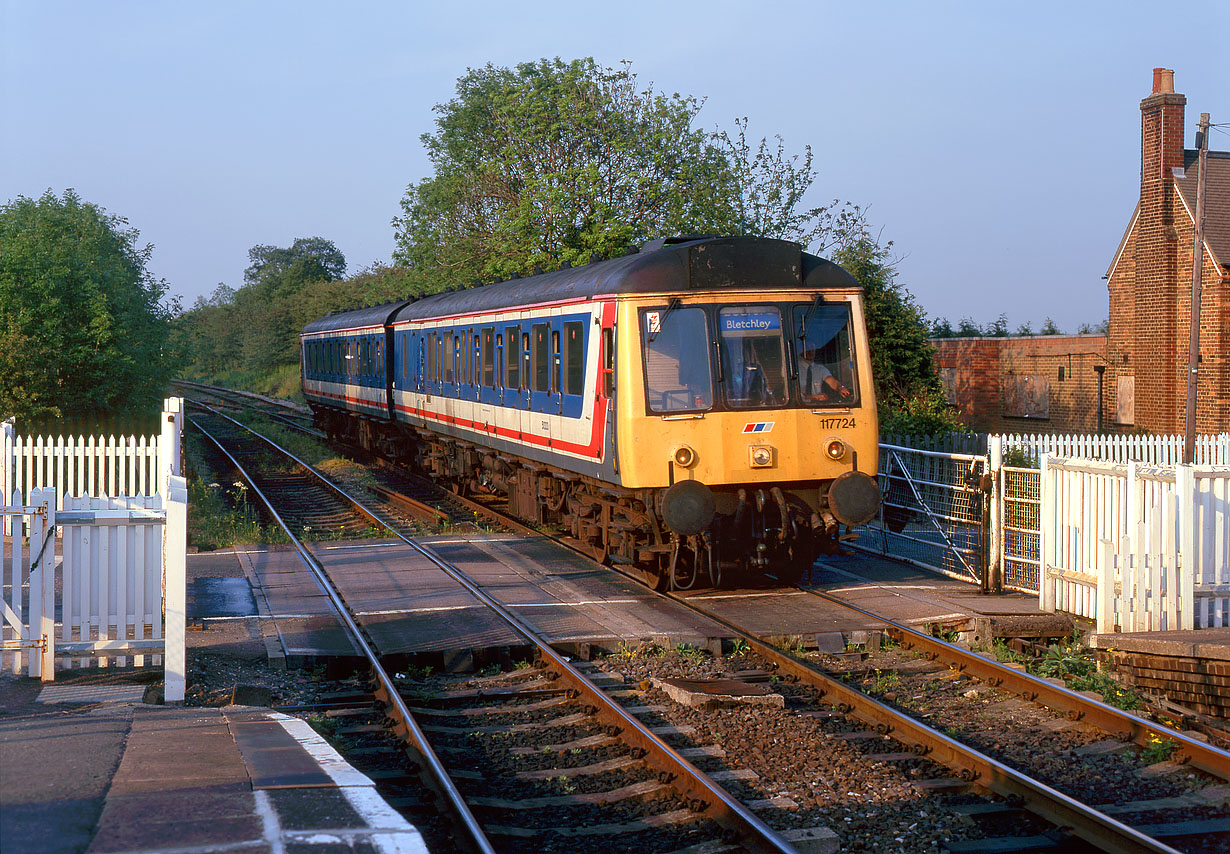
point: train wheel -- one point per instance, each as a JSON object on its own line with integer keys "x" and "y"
{"x": 659, "y": 578}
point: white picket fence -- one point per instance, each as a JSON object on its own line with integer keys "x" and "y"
{"x": 1210, "y": 450}
{"x": 117, "y": 590}
{"x": 98, "y": 466}
{"x": 1135, "y": 547}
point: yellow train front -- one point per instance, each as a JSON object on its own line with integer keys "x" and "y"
{"x": 702, "y": 409}
{"x": 746, "y": 407}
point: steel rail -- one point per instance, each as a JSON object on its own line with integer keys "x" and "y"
{"x": 704, "y": 794}
{"x": 1208, "y": 758}
{"x": 387, "y": 691}
{"x": 1063, "y": 811}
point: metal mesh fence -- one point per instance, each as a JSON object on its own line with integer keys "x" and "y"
{"x": 1022, "y": 506}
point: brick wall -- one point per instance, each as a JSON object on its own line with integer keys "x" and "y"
{"x": 1033, "y": 383}
{"x": 1149, "y": 288}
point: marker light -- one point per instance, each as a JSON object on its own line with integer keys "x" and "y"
{"x": 684, "y": 456}
{"x": 761, "y": 456}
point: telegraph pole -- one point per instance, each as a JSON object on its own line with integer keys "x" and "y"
{"x": 1193, "y": 349}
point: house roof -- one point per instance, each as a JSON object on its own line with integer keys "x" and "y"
{"x": 1216, "y": 200}
{"x": 1216, "y": 206}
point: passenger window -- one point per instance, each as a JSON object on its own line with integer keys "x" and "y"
{"x": 542, "y": 357}
{"x": 677, "y": 373}
{"x": 449, "y": 346}
{"x": 574, "y": 357}
{"x": 489, "y": 357}
{"x": 753, "y": 356}
{"x": 512, "y": 358}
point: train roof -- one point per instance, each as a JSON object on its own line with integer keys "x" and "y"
{"x": 701, "y": 264}
{"x": 675, "y": 264}
{"x": 372, "y": 315}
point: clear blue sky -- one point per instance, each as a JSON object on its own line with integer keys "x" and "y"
{"x": 996, "y": 144}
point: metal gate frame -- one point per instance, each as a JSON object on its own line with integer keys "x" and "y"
{"x": 933, "y": 511}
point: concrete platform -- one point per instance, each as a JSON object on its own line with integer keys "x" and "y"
{"x": 1212, "y": 644}
{"x": 104, "y": 776}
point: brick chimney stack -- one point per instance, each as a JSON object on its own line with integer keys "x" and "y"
{"x": 1161, "y": 125}
{"x": 1155, "y": 300}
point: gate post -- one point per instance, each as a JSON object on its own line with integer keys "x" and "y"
{"x": 1046, "y": 536}
{"x": 6, "y": 468}
{"x": 1187, "y": 565}
{"x": 995, "y": 538}
{"x": 168, "y": 442}
{"x": 174, "y": 563}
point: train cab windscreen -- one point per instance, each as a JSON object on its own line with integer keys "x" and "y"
{"x": 753, "y": 356}
{"x": 826, "y": 366}
{"x": 677, "y": 374}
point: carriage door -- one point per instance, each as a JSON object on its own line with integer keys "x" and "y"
{"x": 573, "y": 336}
{"x": 420, "y": 371}
{"x": 544, "y": 395}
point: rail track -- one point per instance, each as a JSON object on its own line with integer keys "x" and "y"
{"x": 893, "y": 734}
{"x": 673, "y": 804}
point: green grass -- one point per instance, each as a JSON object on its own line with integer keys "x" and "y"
{"x": 219, "y": 515}
{"x": 1079, "y": 670}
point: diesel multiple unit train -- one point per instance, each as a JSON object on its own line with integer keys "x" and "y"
{"x": 700, "y": 407}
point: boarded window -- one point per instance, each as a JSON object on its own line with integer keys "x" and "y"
{"x": 1027, "y": 396}
{"x": 1125, "y": 409}
{"x": 948, "y": 377}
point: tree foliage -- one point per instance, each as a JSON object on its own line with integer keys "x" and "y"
{"x": 767, "y": 192}
{"x": 256, "y": 328}
{"x": 555, "y": 161}
{"x": 82, "y": 325}
{"x": 908, "y": 391}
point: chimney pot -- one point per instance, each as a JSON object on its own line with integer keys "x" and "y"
{"x": 1163, "y": 81}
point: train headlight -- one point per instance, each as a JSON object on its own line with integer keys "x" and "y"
{"x": 835, "y": 449}
{"x": 684, "y": 456}
{"x": 760, "y": 456}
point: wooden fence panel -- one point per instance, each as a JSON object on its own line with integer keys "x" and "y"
{"x": 1149, "y": 543}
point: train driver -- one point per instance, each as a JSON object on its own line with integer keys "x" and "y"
{"x": 818, "y": 380}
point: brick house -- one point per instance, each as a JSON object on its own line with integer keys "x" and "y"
{"x": 1150, "y": 280}
{"x": 1052, "y": 383}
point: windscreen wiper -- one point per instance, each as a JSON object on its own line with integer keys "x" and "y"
{"x": 807, "y": 317}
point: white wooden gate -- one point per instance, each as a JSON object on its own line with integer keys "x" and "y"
{"x": 118, "y": 590}
{"x": 27, "y": 584}
{"x": 1135, "y": 547}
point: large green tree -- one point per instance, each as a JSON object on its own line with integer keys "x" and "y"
{"x": 908, "y": 391}
{"x": 551, "y": 162}
{"x": 82, "y": 325}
